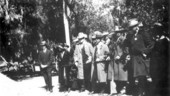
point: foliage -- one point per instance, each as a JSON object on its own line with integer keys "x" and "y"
{"x": 105, "y": 15}
{"x": 25, "y": 22}
{"x": 148, "y": 11}
{"x": 92, "y": 15}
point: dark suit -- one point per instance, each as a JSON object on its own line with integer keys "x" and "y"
{"x": 46, "y": 59}
{"x": 64, "y": 71}
{"x": 138, "y": 69}
{"x": 159, "y": 68}
{"x": 138, "y": 45}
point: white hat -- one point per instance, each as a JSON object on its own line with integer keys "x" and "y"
{"x": 80, "y": 35}
{"x": 85, "y": 35}
{"x": 133, "y": 22}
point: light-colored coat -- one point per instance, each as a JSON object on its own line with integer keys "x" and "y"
{"x": 79, "y": 60}
{"x": 87, "y": 52}
{"x": 100, "y": 55}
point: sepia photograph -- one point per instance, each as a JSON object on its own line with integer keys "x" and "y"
{"x": 84, "y": 48}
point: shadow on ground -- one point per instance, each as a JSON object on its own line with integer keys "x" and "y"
{"x": 21, "y": 75}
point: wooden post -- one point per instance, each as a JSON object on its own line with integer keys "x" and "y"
{"x": 66, "y": 24}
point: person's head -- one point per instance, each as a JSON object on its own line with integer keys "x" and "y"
{"x": 97, "y": 37}
{"x": 43, "y": 45}
{"x": 81, "y": 37}
{"x": 66, "y": 47}
{"x": 134, "y": 26}
{"x": 105, "y": 36}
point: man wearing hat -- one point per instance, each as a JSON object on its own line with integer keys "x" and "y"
{"x": 79, "y": 62}
{"x": 64, "y": 68}
{"x": 87, "y": 53}
{"x": 101, "y": 53}
{"x": 83, "y": 58}
{"x": 45, "y": 58}
{"x": 140, "y": 45}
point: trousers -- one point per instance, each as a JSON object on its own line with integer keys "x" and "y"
{"x": 87, "y": 75}
{"x": 46, "y": 72}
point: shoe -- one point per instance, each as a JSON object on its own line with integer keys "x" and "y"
{"x": 82, "y": 90}
{"x": 90, "y": 93}
{"x": 51, "y": 90}
{"x": 123, "y": 91}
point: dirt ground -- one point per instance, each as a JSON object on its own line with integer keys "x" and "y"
{"x": 35, "y": 87}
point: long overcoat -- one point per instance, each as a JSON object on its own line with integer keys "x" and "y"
{"x": 140, "y": 44}
{"x": 119, "y": 73}
{"x": 100, "y": 55}
{"x": 110, "y": 72}
{"x": 79, "y": 59}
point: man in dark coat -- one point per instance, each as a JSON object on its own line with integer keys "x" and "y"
{"x": 64, "y": 68}
{"x": 140, "y": 45}
{"x": 160, "y": 62}
{"x": 45, "y": 58}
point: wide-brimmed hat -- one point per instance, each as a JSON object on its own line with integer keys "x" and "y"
{"x": 97, "y": 35}
{"x": 81, "y": 35}
{"x": 134, "y": 22}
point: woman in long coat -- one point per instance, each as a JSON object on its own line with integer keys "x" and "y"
{"x": 120, "y": 75}
{"x": 101, "y": 53}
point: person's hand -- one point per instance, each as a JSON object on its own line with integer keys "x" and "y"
{"x": 108, "y": 58}
{"x": 144, "y": 55}
{"x": 97, "y": 59}
{"x": 128, "y": 57}
{"x": 117, "y": 57}
{"x": 88, "y": 61}
{"x": 76, "y": 63}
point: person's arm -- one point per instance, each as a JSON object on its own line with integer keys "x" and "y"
{"x": 148, "y": 42}
{"x": 75, "y": 54}
{"x": 39, "y": 58}
{"x": 105, "y": 55}
{"x": 88, "y": 52}
{"x": 50, "y": 58}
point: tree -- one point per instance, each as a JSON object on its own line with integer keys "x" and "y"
{"x": 91, "y": 15}
{"x": 25, "y": 23}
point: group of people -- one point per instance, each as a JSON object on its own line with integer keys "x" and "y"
{"x": 111, "y": 63}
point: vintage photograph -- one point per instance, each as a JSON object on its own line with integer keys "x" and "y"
{"x": 84, "y": 48}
